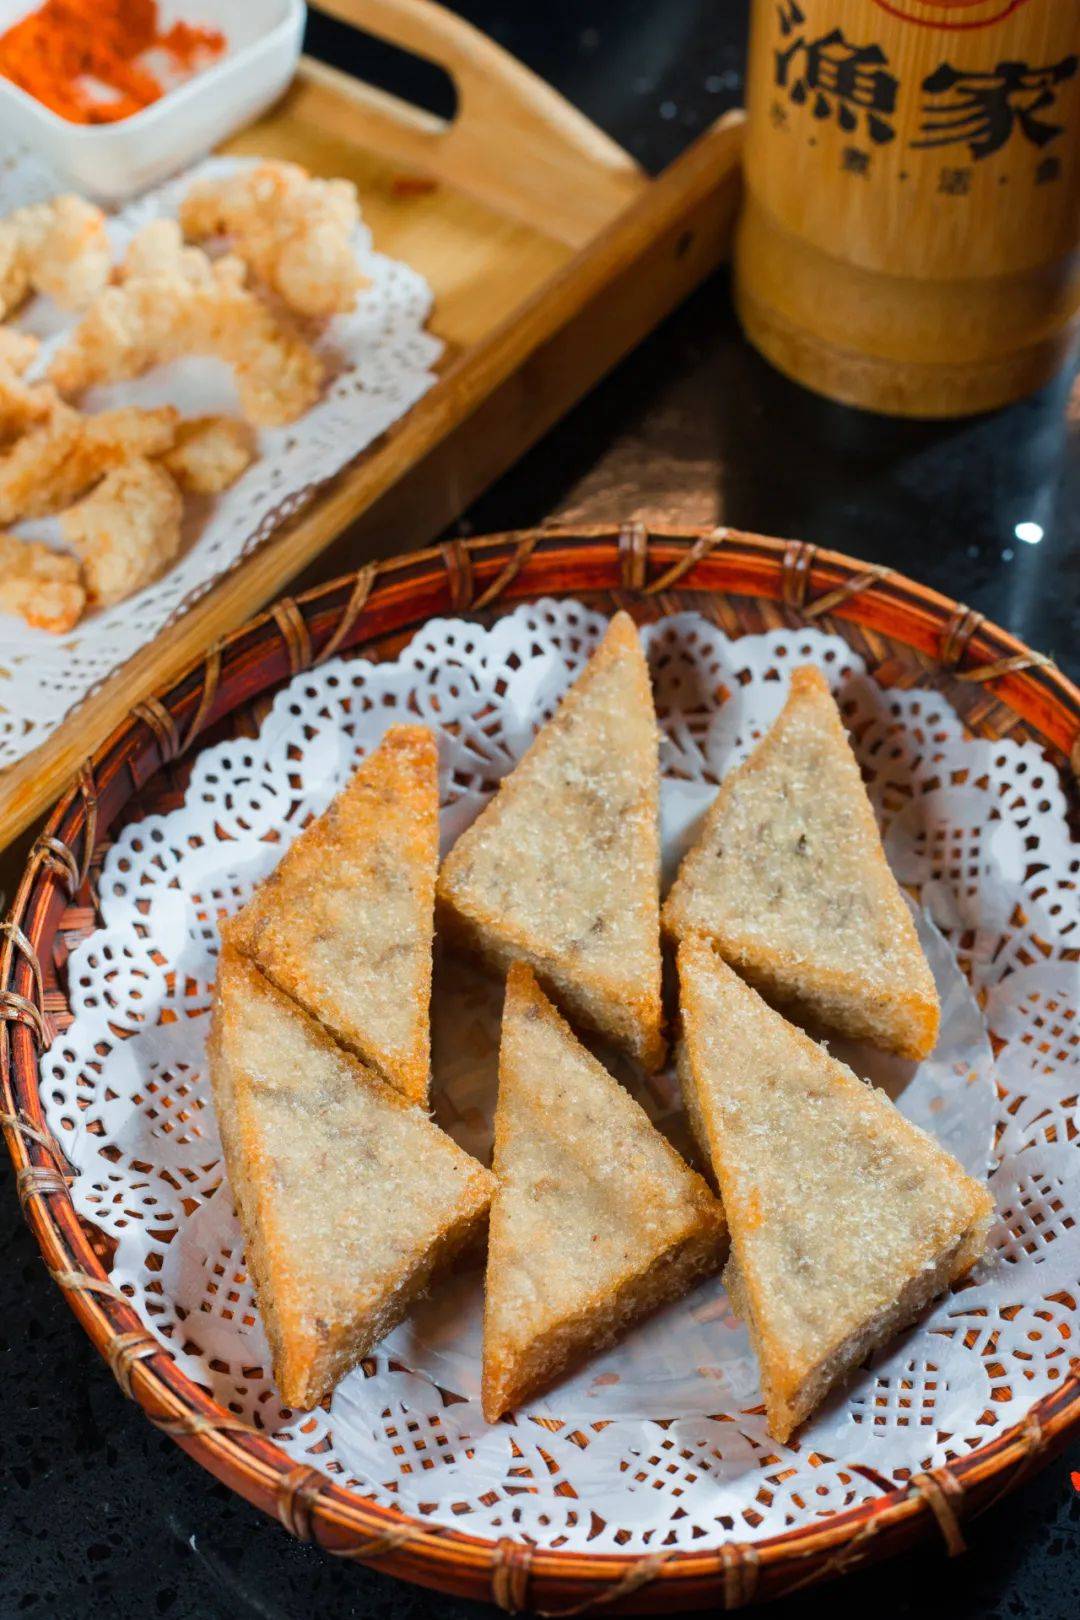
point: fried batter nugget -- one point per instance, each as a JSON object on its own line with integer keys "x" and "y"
{"x": 67, "y": 453}
{"x": 158, "y": 250}
{"x": 127, "y": 530}
{"x": 60, "y": 248}
{"x": 195, "y": 307}
{"x": 17, "y": 349}
{"x": 22, "y": 405}
{"x": 42, "y": 585}
{"x": 210, "y": 453}
{"x": 294, "y": 231}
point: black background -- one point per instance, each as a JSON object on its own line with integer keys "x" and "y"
{"x": 101, "y": 1515}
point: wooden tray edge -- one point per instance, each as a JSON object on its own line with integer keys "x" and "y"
{"x": 572, "y": 331}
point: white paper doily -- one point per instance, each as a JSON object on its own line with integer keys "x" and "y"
{"x": 977, "y": 828}
{"x": 380, "y": 360}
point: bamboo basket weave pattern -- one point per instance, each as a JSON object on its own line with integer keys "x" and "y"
{"x": 908, "y": 636}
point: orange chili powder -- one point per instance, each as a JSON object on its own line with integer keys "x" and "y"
{"x": 52, "y": 53}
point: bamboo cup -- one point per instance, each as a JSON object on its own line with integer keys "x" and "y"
{"x": 910, "y": 238}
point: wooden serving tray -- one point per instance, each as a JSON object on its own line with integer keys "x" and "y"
{"x": 909, "y": 637}
{"x": 550, "y": 255}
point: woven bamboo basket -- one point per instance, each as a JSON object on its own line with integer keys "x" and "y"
{"x": 908, "y": 635}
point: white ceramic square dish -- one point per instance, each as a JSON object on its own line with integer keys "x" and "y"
{"x": 112, "y": 162}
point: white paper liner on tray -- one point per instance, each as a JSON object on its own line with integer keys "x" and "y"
{"x": 660, "y": 1439}
{"x": 380, "y": 362}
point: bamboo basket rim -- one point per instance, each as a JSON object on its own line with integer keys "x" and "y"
{"x": 381, "y": 599}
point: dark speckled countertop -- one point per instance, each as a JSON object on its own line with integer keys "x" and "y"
{"x": 102, "y": 1516}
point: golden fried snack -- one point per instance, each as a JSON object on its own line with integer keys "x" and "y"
{"x": 596, "y": 1220}
{"x": 210, "y": 453}
{"x": 127, "y": 530}
{"x": 562, "y": 868}
{"x": 789, "y": 880}
{"x": 845, "y": 1218}
{"x": 17, "y": 349}
{"x": 294, "y": 231}
{"x": 22, "y": 405}
{"x": 184, "y": 308}
{"x": 60, "y": 248}
{"x": 40, "y": 584}
{"x": 67, "y": 453}
{"x": 158, "y": 250}
{"x": 350, "y": 1198}
{"x": 344, "y": 924}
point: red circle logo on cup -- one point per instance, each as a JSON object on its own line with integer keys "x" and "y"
{"x": 951, "y": 13}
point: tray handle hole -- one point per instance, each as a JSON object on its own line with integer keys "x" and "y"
{"x": 388, "y": 67}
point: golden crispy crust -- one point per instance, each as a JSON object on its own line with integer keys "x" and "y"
{"x": 344, "y": 924}
{"x": 173, "y": 301}
{"x": 60, "y": 248}
{"x": 43, "y": 585}
{"x": 17, "y": 349}
{"x": 845, "y": 1218}
{"x": 127, "y": 530}
{"x": 562, "y": 867}
{"x": 210, "y": 453}
{"x": 790, "y": 882}
{"x": 350, "y": 1197}
{"x": 596, "y": 1219}
{"x": 293, "y": 230}
{"x": 67, "y": 453}
{"x": 22, "y": 405}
